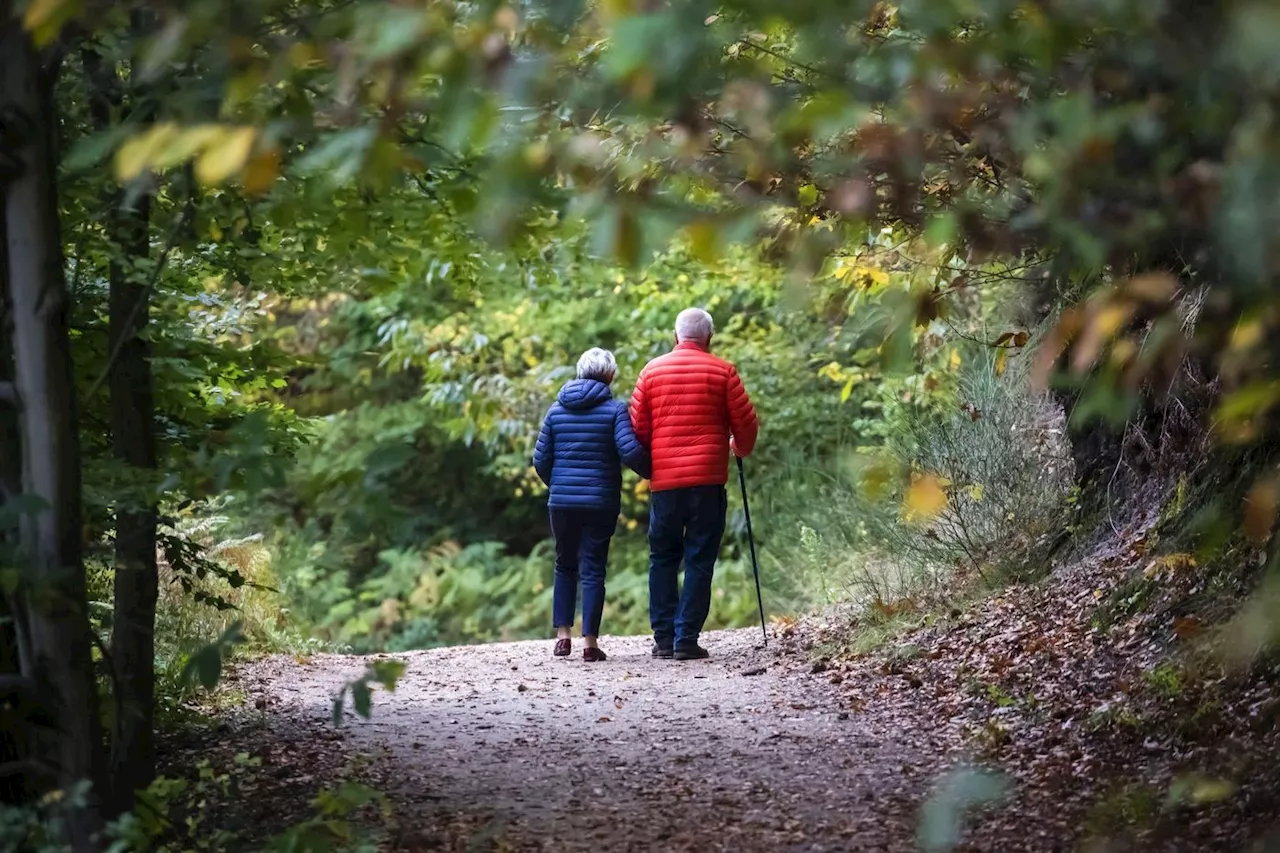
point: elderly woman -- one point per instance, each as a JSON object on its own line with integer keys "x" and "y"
{"x": 586, "y": 438}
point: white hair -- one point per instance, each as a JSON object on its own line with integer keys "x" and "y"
{"x": 597, "y": 364}
{"x": 694, "y": 324}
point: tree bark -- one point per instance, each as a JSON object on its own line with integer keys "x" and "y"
{"x": 132, "y": 760}
{"x": 59, "y": 657}
{"x": 15, "y": 742}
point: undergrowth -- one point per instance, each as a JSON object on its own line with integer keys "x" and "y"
{"x": 1001, "y": 455}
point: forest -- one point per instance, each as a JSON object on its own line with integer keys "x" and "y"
{"x": 287, "y": 288}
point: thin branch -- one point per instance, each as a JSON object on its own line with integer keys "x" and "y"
{"x": 118, "y": 346}
{"x": 977, "y": 340}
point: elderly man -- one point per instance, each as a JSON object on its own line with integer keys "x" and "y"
{"x": 690, "y": 409}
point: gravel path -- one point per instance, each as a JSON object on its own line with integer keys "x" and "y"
{"x": 503, "y": 747}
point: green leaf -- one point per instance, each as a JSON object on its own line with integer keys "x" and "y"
{"x": 342, "y": 156}
{"x": 960, "y": 792}
{"x": 362, "y": 698}
{"x": 388, "y": 672}
{"x": 847, "y": 390}
{"x": 339, "y": 702}
{"x": 397, "y": 29}
{"x": 941, "y": 230}
{"x": 93, "y": 149}
{"x": 18, "y": 506}
{"x": 206, "y": 665}
{"x": 635, "y": 43}
{"x": 44, "y": 19}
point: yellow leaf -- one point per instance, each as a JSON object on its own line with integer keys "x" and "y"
{"x": 846, "y": 390}
{"x": 976, "y": 492}
{"x": 614, "y": 9}
{"x": 304, "y": 54}
{"x": 703, "y": 240}
{"x": 1247, "y": 334}
{"x": 831, "y": 370}
{"x": 1100, "y": 328}
{"x": 188, "y": 144}
{"x": 225, "y": 156}
{"x": 137, "y": 154}
{"x": 162, "y": 146}
{"x": 925, "y": 498}
{"x": 875, "y": 479}
{"x": 262, "y": 171}
{"x": 954, "y": 361}
{"x": 44, "y": 18}
{"x": 1212, "y": 791}
{"x": 1002, "y": 361}
{"x": 1157, "y": 287}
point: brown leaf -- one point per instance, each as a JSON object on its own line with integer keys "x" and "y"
{"x": 1157, "y": 287}
{"x": 1052, "y": 346}
{"x": 1102, "y": 325}
{"x": 261, "y": 171}
{"x": 852, "y": 198}
{"x": 1260, "y": 509}
{"x": 1187, "y": 627}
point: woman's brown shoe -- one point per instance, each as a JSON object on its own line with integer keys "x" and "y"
{"x": 563, "y": 648}
{"x": 593, "y": 655}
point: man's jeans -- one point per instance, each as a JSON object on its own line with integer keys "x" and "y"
{"x": 684, "y": 524}
{"x": 582, "y": 550}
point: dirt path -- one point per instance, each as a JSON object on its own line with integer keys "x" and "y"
{"x": 504, "y": 747}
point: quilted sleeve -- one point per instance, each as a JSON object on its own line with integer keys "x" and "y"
{"x": 544, "y": 451}
{"x": 641, "y": 418}
{"x": 632, "y": 452}
{"x": 744, "y": 427}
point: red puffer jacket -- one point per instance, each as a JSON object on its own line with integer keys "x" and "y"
{"x": 686, "y": 407}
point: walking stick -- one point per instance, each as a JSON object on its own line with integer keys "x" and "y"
{"x": 751, "y": 539}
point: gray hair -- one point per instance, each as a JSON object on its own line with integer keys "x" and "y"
{"x": 598, "y": 364}
{"x": 694, "y": 324}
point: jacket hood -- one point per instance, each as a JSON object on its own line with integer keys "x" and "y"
{"x": 580, "y": 394}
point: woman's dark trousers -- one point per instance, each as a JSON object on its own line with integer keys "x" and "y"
{"x": 582, "y": 551}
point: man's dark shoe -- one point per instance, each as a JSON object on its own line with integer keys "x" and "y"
{"x": 691, "y": 653}
{"x": 593, "y": 655}
{"x": 563, "y": 647}
{"x": 662, "y": 651}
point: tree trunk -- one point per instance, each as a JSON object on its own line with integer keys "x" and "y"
{"x": 59, "y": 656}
{"x": 15, "y": 745}
{"x": 132, "y": 763}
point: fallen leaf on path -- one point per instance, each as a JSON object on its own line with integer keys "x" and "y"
{"x": 1187, "y": 627}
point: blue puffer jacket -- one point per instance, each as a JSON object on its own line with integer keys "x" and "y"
{"x": 585, "y": 438}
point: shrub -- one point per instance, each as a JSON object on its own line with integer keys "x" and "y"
{"x": 1002, "y": 459}
{"x": 999, "y": 454}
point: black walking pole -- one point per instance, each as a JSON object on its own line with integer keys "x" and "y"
{"x": 755, "y": 567}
